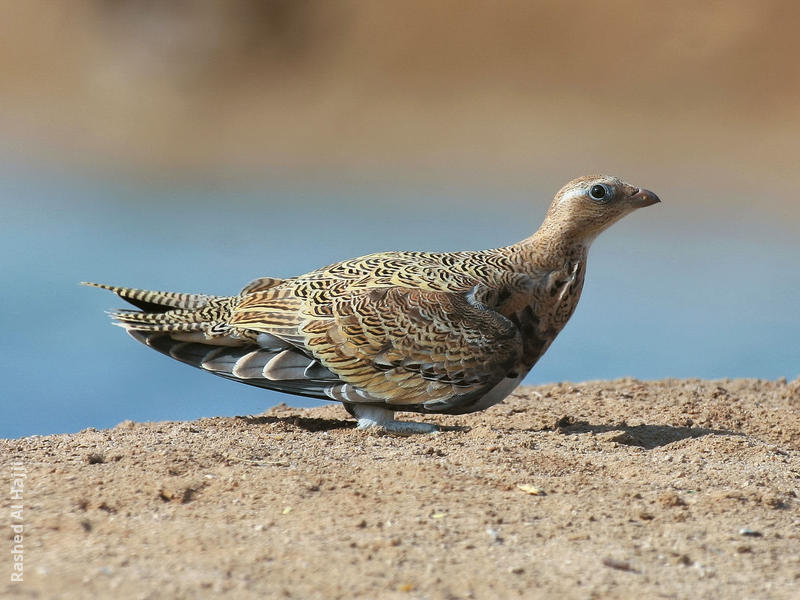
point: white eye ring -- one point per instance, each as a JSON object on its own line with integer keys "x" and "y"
{"x": 601, "y": 192}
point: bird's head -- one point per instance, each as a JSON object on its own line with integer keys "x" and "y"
{"x": 586, "y": 206}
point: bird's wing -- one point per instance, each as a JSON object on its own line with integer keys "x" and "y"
{"x": 395, "y": 345}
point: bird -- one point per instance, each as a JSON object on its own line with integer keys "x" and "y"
{"x": 399, "y": 331}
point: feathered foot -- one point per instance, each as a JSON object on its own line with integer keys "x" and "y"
{"x": 375, "y": 417}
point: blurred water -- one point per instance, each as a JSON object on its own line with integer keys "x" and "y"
{"x": 665, "y": 296}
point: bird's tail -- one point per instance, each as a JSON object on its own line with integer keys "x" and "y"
{"x": 172, "y": 312}
{"x": 155, "y": 302}
{"x": 194, "y": 329}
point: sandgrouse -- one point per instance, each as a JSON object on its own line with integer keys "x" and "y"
{"x": 427, "y": 332}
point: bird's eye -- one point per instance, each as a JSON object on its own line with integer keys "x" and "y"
{"x": 600, "y": 192}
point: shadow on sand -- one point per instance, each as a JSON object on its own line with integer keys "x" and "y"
{"x": 306, "y": 423}
{"x": 645, "y": 436}
{"x": 313, "y": 424}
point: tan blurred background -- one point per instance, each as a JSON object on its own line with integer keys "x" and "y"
{"x": 195, "y": 145}
{"x": 514, "y": 90}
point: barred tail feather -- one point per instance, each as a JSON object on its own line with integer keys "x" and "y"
{"x": 155, "y": 301}
{"x": 197, "y": 316}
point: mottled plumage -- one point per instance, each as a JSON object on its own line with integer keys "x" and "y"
{"x": 449, "y": 332}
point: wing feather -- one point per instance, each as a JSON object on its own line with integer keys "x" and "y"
{"x": 403, "y": 347}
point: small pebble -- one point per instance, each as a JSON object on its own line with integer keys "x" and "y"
{"x": 94, "y": 458}
{"x": 620, "y": 565}
{"x": 495, "y": 535}
{"x": 531, "y": 489}
{"x": 750, "y": 533}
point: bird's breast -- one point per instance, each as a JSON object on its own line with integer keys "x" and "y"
{"x": 541, "y": 312}
{"x": 565, "y": 289}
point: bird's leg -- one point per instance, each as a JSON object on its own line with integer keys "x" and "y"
{"x": 372, "y": 417}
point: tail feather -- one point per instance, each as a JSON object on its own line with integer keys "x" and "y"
{"x": 195, "y": 329}
{"x": 172, "y": 320}
{"x": 172, "y": 312}
{"x": 154, "y": 301}
{"x": 282, "y": 369}
{"x": 164, "y": 326}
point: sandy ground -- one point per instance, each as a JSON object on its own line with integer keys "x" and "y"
{"x": 626, "y": 489}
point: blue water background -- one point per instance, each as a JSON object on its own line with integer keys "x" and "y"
{"x": 665, "y": 296}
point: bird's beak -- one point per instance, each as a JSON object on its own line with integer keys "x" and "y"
{"x": 643, "y": 198}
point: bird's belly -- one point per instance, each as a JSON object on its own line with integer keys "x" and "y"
{"x": 498, "y": 392}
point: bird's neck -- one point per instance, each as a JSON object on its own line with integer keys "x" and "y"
{"x": 551, "y": 249}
